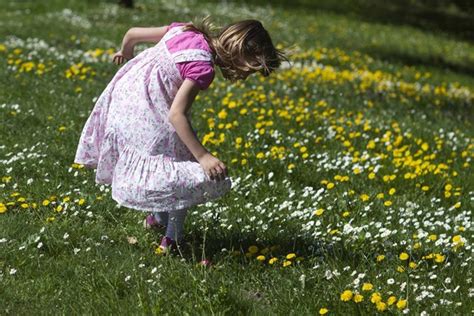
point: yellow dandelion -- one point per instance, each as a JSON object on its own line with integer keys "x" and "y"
{"x": 380, "y": 258}
{"x": 367, "y": 286}
{"x": 286, "y": 263}
{"x": 272, "y": 260}
{"x": 319, "y": 212}
{"x": 401, "y": 304}
{"x": 375, "y": 297}
{"x": 391, "y": 300}
{"x": 439, "y": 258}
{"x": 381, "y": 306}
{"x": 358, "y": 298}
{"x": 323, "y": 311}
{"x": 404, "y": 256}
{"x": 261, "y": 258}
{"x": 346, "y": 295}
{"x": 290, "y": 256}
{"x": 253, "y": 249}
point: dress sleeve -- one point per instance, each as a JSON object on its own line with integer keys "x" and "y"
{"x": 202, "y": 72}
{"x": 173, "y": 25}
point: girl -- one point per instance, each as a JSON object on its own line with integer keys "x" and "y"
{"x": 139, "y": 137}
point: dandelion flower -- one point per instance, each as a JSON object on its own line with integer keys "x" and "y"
{"x": 401, "y": 304}
{"x": 375, "y": 298}
{"x": 358, "y": 298}
{"x": 412, "y": 265}
{"x": 346, "y": 295}
{"x": 323, "y": 311}
{"x": 319, "y": 212}
{"x": 272, "y": 260}
{"x": 381, "y": 306}
{"x": 253, "y": 249}
{"x": 290, "y": 256}
{"x": 391, "y": 300}
{"x": 367, "y": 286}
{"x": 404, "y": 256}
{"x": 439, "y": 258}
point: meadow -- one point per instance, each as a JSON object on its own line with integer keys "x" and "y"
{"x": 352, "y": 171}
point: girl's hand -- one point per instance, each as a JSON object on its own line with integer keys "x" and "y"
{"x": 120, "y": 58}
{"x": 213, "y": 167}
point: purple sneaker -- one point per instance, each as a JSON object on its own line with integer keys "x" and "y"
{"x": 150, "y": 222}
{"x": 165, "y": 246}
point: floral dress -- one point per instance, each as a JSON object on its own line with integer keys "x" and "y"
{"x": 132, "y": 145}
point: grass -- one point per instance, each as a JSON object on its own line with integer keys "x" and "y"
{"x": 371, "y": 128}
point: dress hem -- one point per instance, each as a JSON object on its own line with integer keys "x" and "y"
{"x": 182, "y": 205}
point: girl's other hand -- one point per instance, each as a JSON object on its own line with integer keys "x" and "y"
{"x": 119, "y": 58}
{"x": 213, "y": 167}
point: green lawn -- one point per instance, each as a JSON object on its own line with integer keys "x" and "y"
{"x": 352, "y": 170}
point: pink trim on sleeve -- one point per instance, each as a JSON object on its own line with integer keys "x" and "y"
{"x": 202, "y": 72}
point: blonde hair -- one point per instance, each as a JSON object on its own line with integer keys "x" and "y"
{"x": 240, "y": 48}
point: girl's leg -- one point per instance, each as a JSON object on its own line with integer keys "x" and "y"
{"x": 161, "y": 217}
{"x": 174, "y": 229}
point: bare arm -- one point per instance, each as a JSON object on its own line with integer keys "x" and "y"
{"x": 137, "y": 35}
{"x": 213, "y": 167}
{"x": 177, "y": 117}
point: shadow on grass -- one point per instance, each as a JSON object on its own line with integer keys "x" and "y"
{"x": 198, "y": 245}
{"x": 451, "y": 17}
{"x": 413, "y": 60}
{"x": 428, "y": 17}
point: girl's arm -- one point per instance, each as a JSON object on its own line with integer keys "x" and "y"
{"x": 177, "y": 117}
{"x": 137, "y": 35}
{"x": 213, "y": 167}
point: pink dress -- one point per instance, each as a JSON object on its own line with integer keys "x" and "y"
{"x": 128, "y": 137}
